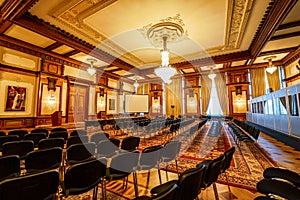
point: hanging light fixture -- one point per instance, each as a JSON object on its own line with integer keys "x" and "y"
{"x": 135, "y": 84}
{"x": 211, "y": 74}
{"x": 165, "y": 71}
{"x": 271, "y": 68}
{"x": 91, "y": 70}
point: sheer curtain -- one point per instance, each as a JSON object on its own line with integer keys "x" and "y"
{"x": 174, "y": 97}
{"x": 221, "y": 87}
{"x": 205, "y": 93}
{"x": 258, "y": 82}
{"x": 273, "y": 80}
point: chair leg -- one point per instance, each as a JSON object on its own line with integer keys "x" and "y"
{"x": 167, "y": 173}
{"x": 227, "y": 182}
{"x": 148, "y": 179}
{"x": 103, "y": 188}
{"x": 215, "y": 191}
{"x": 136, "y": 192}
{"x": 159, "y": 176}
{"x": 95, "y": 192}
{"x": 177, "y": 167}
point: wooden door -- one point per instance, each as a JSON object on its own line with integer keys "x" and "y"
{"x": 77, "y": 103}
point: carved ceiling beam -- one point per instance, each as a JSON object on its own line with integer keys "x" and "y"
{"x": 24, "y": 47}
{"x": 289, "y": 25}
{"x": 272, "y": 20}
{"x": 277, "y": 51}
{"x": 71, "y": 53}
{"x": 4, "y": 26}
{"x": 291, "y": 57}
{"x": 287, "y": 35}
{"x": 12, "y": 9}
{"x": 47, "y": 30}
{"x": 53, "y": 46}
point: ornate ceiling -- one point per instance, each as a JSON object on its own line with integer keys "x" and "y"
{"x": 228, "y": 34}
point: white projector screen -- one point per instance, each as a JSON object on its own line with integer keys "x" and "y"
{"x": 136, "y": 103}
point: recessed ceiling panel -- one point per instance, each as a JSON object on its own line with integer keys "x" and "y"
{"x": 217, "y": 66}
{"x": 278, "y": 57}
{"x": 189, "y": 70}
{"x": 28, "y": 36}
{"x": 63, "y": 49}
{"x": 282, "y": 44}
{"x": 82, "y": 57}
{"x": 122, "y": 73}
{"x": 238, "y": 63}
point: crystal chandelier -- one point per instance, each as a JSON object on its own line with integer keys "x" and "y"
{"x": 165, "y": 71}
{"x": 271, "y": 68}
{"x": 91, "y": 70}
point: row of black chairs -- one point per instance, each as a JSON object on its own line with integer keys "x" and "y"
{"x": 192, "y": 181}
{"x": 242, "y": 135}
{"x": 251, "y": 130}
{"x": 279, "y": 183}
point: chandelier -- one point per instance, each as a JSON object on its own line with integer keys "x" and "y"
{"x": 271, "y": 68}
{"x": 91, "y": 70}
{"x": 165, "y": 71}
{"x": 167, "y": 30}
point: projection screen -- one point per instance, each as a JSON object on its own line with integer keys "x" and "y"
{"x": 136, "y": 103}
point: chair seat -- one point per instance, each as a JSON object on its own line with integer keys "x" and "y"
{"x": 163, "y": 187}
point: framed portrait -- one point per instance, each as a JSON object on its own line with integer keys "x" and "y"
{"x": 15, "y": 98}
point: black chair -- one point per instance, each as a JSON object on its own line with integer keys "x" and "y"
{"x": 167, "y": 195}
{"x": 35, "y": 137}
{"x": 77, "y": 153}
{"x": 226, "y": 164}
{"x": 18, "y": 132}
{"x": 40, "y": 130}
{"x": 170, "y": 152}
{"x": 78, "y": 133}
{"x": 43, "y": 185}
{"x": 42, "y": 160}
{"x": 8, "y": 138}
{"x": 115, "y": 141}
{"x": 2, "y": 133}
{"x": 189, "y": 184}
{"x": 281, "y": 173}
{"x": 121, "y": 166}
{"x": 282, "y": 189}
{"x": 58, "y": 129}
{"x": 82, "y": 177}
{"x": 77, "y": 140}
{"x": 213, "y": 169}
{"x": 59, "y": 134}
{"x": 130, "y": 143}
{"x": 106, "y": 149}
{"x": 149, "y": 158}
{"x": 50, "y": 143}
{"x": 98, "y": 137}
{"x": 20, "y": 148}
{"x": 9, "y": 166}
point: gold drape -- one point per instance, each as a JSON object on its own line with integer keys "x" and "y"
{"x": 174, "y": 97}
{"x": 220, "y": 81}
{"x": 143, "y": 87}
{"x": 273, "y": 80}
{"x": 258, "y": 82}
{"x": 205, "y": 92}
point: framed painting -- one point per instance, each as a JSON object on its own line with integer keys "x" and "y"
{"x": 15, "y": 98}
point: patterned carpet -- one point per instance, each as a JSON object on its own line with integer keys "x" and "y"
{"x": 249, "y": 160}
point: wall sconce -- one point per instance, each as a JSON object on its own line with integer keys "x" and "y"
{"x": 238, "y": 90}
{"x": 101, "y": 92}
{"x": 51, "y": 84}
{"x": 51, "y": 99}
{"x": 155, "y": 95}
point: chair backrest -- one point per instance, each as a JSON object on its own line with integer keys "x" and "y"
{"x": 18, "y": 132}
{"x": 9, "y": 166}
{"x": 36, "y": 186}
{"x": 82, "y": 177}
{"x": 35, "y": 137}
{"x": 213, "y": 169}
{"x": 150, "y": 157}
{"x": 115, "y": 141}
{"x": 98, "y": 137}
{"x": 228, "y": 157}
{"x": 189, "y": 183}
{"x": 279, "y": 188}
{"x": 77, "y": 140}
{"x": 40, "y": 130}
{"x": 43, "y": 159}
{"x": 59, "y": 134}
{"x": 2, "y": 133}
{"x": 20, "y": 148}
{"x": 51, "y": 142}
{"x": 8, "y": 138}
{"x": 130, "y": 143}
{"x": 124, "y": 162}
{"x": 171, "y": 150}
{"x": 80, "y": 152}
{"x": 106, "y": 149}
{"x": 58, "y": 129}
{"x": 282, "y": 173}
{"x": 168, "y": 195}
{"x": 78, "y": 132}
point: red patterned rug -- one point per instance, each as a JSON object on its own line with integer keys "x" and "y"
{"x": 249, "y": 160}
